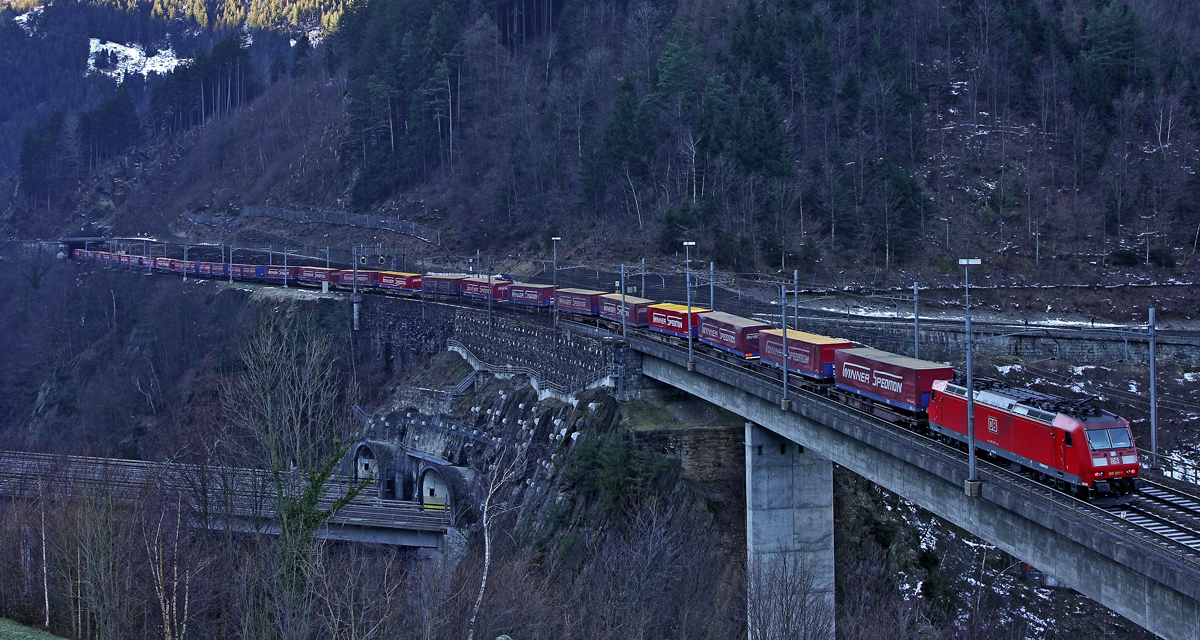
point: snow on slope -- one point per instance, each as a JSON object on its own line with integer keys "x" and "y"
{"x": 130, "y": 59}
{"x": 23, "y": 19}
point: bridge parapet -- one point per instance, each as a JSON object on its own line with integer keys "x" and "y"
{"x": 225, "y": 498}
{"x": 1151, "y": 581}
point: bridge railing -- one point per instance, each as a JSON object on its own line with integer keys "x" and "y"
{"x": 465, "y": 384}
{"x": 215, "y": 491}
{"x": 1171, "y": 465}
{"x": 1010, "y": 480}
{"x": 346, "y": 218}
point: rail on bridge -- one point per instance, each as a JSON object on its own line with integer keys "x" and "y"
{"x": 220, "y": 497}
{"x": 1147, "y": 577}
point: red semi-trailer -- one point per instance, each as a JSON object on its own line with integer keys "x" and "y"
{"x": 809, "y": 354}
{"x": 278, "y": 273}
{"x": 581, "y": 301}
{"x": 483, "y": 289}
{"x": 317, "y": 274}
{"x": 889, "y": 378}
{"x": 731, "y": 333}
{"x": 636, "y": 310}
{"x": 673, "y": 319}
{"x": 243, "y": 270}
{"x": 534, "y": 295}
{"x": 1064, "y": 440}
{"x": 400, "y": 280}
{"x": 444, "y": 285}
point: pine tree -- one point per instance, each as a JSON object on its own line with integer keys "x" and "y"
{"x": 40, "y": 156}
{"x": 301, "y": 54}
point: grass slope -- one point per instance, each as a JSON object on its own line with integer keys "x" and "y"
{"x": 10, "y": 630}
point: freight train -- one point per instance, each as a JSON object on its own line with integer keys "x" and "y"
{"x": 1071, "y": 445}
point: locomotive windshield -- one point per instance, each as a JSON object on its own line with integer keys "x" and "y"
{"x": 1109, "y": 438}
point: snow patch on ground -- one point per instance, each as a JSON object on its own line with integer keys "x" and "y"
{"x": 1190, "y": 377}
{"x": 131, "y": 59}
{"x": 1058, "y": 322}
{"x": 23, "y": 19}
{"x": 1008, "y": 368}
{"x": 1183, "y": 464}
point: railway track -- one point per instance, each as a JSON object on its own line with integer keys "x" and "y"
{"x": 1170, "y": 516}
{"x": 1165, "y": 511}
{"x": 1172, "y": 530}
{"x": 227, "y": 491}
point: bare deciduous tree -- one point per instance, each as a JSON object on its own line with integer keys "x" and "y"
{"x": 787, "y": 598}
{"x": 291, "y": 408}
{"x": 507, "y": 469}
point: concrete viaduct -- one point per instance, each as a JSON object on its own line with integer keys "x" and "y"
{"x": 226, "y": 498}
{"x": 789, "y": 496}
{"x": 789, "y": 457}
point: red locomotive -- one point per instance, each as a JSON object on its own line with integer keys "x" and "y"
{"x": 1066, "y": 443}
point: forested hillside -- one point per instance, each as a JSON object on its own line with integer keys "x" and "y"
{"x": 841, "y": 128}
{"x": 46, "y": 65}
{"x": 876, "y": 135}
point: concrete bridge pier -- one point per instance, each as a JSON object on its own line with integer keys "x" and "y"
{"x": 789, "y": 539}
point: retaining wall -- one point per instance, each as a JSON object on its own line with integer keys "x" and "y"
{"x": 707, "y": 454}
{"x": 567, "y": 359}
{"x": 398, "y": 330}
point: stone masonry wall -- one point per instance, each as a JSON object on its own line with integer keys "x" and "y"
{"x": 398, "y": 330}
{"x": 567, "y": 359}
{"x": 708, "y": 454}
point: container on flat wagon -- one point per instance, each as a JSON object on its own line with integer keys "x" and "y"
{"x": 534, "y": 295}
{"x": 582, "y": 301}
{"x": 636, "y": 310}
{"x": 123, "y": 259}
{"x": 317, "y": 274}
{"x": 483, "y": 288}
{"x": 206, "y": 268}
{"x": 893, "y": 379}
{"x": 445, "y": 285}
{"x": 809, "y": 354}
{"x": 276, "y": 273}
{"x": 242, "y": 270}
{"x": 673, "y": 319}
{"x": 400, "y": 280}
{"x": 362, "y": 277}
{"x": 731, "y": 333}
